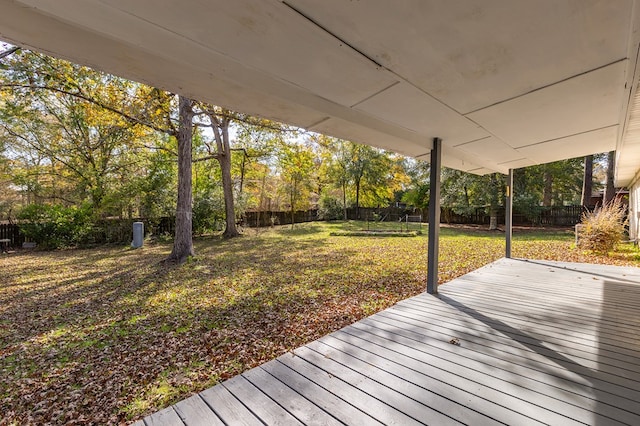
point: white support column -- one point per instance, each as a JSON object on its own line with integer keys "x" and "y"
{"x": 508, "y": 211}
{"x": 434, "y": 217}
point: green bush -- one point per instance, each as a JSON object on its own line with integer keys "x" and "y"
{"x": 208, "y": 213}
{"x": 330, "y": 208}
{"x": 55, "y": 226}
{"x": 603, "y": 228}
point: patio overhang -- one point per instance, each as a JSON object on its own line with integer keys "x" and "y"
{"x": 504, "y": 84}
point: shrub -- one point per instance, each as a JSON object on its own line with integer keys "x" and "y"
{"x": 603, "y": 228}
{"x": 330, "y": 208}
{"x": 55, "y": 226}
{"x": 208, "y": 213}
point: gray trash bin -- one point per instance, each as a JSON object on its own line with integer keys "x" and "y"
{"x": 138, "y": 234}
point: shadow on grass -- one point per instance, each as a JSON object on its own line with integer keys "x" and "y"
{"x": 130, "y": 278}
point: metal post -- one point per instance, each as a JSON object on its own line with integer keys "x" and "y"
{"x": 434, "y": 217}
{"x": 508, "y": 211}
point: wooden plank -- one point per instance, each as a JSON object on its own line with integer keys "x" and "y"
{"x": 582, "y": 395}
{"x": 599, "y": 352}
{"x": 353, "y": 395}
{"x": 615, "y": 384}
{"x": 545, "y": 331}
{"x": 420, "y": 401}
{"x": 562, "y": 280}
{"x": 534, "y": 268}
{"x": 515, "y": 326}
{"x": 227, "y": 407}
{"x": 328, "y": 401}
{"x": 535, "y": 351}
{"x": 581, "y": 305}
{"x": 537, "y": 305}
{"x": 447, "y": 315}
{"x": 612, "y": 271}
{"x": 563, "y": 319}
{"x": 590, "y": 299}
{"x": 195, "y": 412}
{"x": 300, "y": 407}
{"x": 404, "y": 396}
{"x": 507, "y": 402}
{"x": 261, "y": 405}
{"x": 166, "y": 417}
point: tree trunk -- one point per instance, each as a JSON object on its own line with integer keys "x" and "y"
{"x": 183, "y": 241}
{"x": 261, "y": 205}
{"x": 547, "y": 192}
{"x": 493, "y": 204}
{"x": 344, "y": 199}
{"x": 230, "y": 229}
{"x": 294, "y": 189}
{"x": 610, "y": 190}
{"x": 358, "y": 199}
{"x": 221, "y": 133}
{"x": 587, "y": 181}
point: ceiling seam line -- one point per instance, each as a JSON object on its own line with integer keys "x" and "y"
{"x": 276, "y": 78}
{"x": 512, "y": 161}
{"x": 475, "y": 140}
{"x": 395, "y": 83}
{"x": 543, "y": 87}
{"x": 318, "y": 122}
{"x": 379, "y": 65}
{"x": 567, "y": 136}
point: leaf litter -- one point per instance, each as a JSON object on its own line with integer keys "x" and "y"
{"x": 109, "y": 335}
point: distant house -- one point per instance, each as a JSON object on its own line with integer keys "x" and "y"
{"x": 598, "y": 196}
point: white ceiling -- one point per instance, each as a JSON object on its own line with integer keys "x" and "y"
{"x": 504, "y": 83}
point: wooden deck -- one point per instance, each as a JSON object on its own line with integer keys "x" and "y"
{"x": 516, "y": 342}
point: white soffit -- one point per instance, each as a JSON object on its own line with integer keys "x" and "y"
{"x": 299, "y": 52}
{"x": 493, "y": 148}
{"x": 587, "y": 102}
{"x": 413, "y": 109}
{"x": 471, "y": 54}
{"x": 469, "y": 162}
{"x": 628, "y": 152}
{"x": 346, "y": 130}
{"x": 487, "y": 77}
{"x": 579, "y": 145}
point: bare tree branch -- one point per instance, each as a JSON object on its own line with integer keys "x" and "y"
{"x": 9, "y": 52}
{"x": 86, "y": 98}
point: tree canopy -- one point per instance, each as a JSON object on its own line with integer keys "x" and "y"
{"x": 73, "y": 136}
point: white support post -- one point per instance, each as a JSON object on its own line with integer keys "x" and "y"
{"x": 508, "y": 211}
{"x": 434, "y": 217}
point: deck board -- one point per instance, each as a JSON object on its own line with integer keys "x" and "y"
{"x": 197, "y": 412}
{"x": 535, "y": 342}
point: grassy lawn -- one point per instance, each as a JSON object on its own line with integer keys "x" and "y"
{"x": 108, "y": 335}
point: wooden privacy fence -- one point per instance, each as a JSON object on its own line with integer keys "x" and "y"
{"x": 270, "y": 218}
{"x": 10, "y": 231}
{"x": 540, "y": 216}
{"x": 120, "y": 230}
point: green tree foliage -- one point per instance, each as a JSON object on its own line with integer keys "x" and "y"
{"x": 552, "y": 184}
{"x": 417, "y": 192}
{"x": 56, "y": 226}
{"x": 365, "y": 175}
{"x": 72, "y": 136}
{"x": 68, "y": 142}
{"x": 296, "y": 170}
{"x": 464, "y": 192}
{"x": 334, "y": 173}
